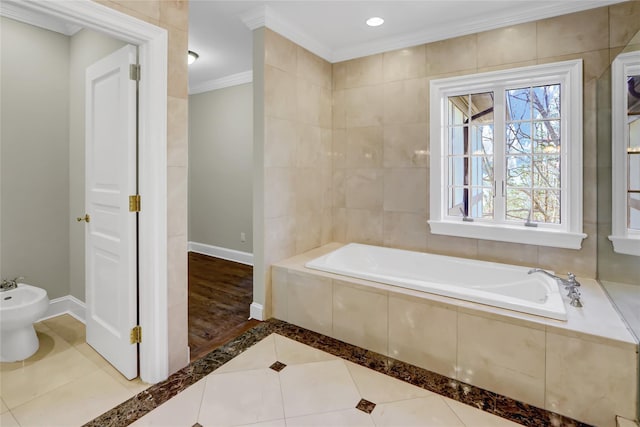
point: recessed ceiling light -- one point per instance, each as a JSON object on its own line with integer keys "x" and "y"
{"x": 191, "y": 57}
{"x": 375, "y": 21}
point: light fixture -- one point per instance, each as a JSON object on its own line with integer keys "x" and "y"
{"x": 191, "y": 57}
{"x": 375, "y": 21}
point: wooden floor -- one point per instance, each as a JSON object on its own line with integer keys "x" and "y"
{"x": 220, "y": 293}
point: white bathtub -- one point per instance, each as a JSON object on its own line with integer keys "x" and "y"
{"x": 498, "y": 285}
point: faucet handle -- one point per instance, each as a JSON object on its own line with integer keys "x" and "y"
{"x": 15, "y": 280}
{"x": 571, "y": 278}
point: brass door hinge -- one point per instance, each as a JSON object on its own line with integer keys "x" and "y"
{"x": 134, "y": 72}
{"x": 134, "y": 203}
{"x": 136, "y": 335}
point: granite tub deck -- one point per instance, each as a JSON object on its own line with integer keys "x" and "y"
{"x": 143, "y": 403}
{"x": 585, "y": 368}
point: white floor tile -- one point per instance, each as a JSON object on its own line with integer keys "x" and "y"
{"x": 243, "y": 397}
{"x": 472, "y": 417}
{"x": 272, "y": 423}
{"x": 180, "y": 411}
{"x": 317, "y": 387}
{"x": 379, "y": 388}
{"x": 292, "y": 352}
{"x": 7, "y": 420}
{"x": 346, "y": 418}
{"x": 3, "y": 407}
{"x": 74, "y": 403}
{"x": 261, "y": 355}
{"x": 424, "y": 411}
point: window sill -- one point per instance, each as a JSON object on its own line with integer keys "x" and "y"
{"x": 627, "y": 245}
{"x": 506, "y": 233}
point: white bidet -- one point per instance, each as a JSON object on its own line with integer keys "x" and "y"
{"x": 19, "y": 309}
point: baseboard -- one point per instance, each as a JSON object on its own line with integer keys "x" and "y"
{"x": 256, "y": 311}
{"x": 66, "y": 305}
{"x": 224, "y": 253}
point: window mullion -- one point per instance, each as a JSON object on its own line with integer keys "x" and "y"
{"x": 499, "y": 154}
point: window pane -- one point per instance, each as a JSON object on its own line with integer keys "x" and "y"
{"x": 482, "y": 139}
{"x": 546, "y": 102}
{"x": 456, "y": 170}
{"x": 546, "y": 172}
{"x": 546, "y": 206}
{"x": 456, "y": 140}
{"x": 481, "y": 203}
{"x": 518, "y": 204}
{"x": 518, "y": 104}
{"x": 485, "y": 167}
{"x": 482, "y": 107}
{"x": 518, "y": 138}
{"x": 634, "y": 172}
{"x": 634, "y": 211}
{"x": 518, "y": 171}
{"x": 458, "y": 109}
{"x": 546, "y": 136}
{"x": 456, "y": 201}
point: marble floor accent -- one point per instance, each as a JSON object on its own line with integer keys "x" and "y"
{"x": 300, "y": 366}
{"x": 66, "y": 383}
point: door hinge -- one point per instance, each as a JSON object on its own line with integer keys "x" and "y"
{"x": 134, "y": 203}
{"x": 134, "y": 72}
{"x": 136, "y": 335}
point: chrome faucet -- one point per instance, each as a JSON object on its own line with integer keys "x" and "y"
{"x": 7, "y": 285}
{"x": 570, "y": 284}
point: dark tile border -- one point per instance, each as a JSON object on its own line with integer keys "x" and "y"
{"x": 144, "y": 402}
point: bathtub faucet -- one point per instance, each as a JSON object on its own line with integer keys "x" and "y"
{"x": 570, "y": 284}
{"x": 7, "y": 285}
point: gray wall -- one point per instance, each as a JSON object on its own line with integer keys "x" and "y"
{"x": 86, "y": 47}
{"x": 220, "y": 167}
{"x": 42, "y": 154}
{"x": 34, "y": 152}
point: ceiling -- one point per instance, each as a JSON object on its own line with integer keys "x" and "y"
{"x": 336, "y": 30}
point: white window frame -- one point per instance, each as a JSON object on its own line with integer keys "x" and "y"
{"x": 625, "y": 240}
{"x": 566, "y": 235}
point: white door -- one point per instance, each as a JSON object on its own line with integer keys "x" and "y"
{"x": 111, "y": 250}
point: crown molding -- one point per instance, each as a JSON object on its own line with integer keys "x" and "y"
{"x": 13, "y": 10}
{"x": 221, "y": 83}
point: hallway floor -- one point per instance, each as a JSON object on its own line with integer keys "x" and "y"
{"x": 66, "y": 383}
{"x": 282, "y": 382}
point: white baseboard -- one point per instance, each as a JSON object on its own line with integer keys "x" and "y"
{"x": 224, "y": 253}
{"x": 256, "y": 311}
{"x": 66, "y": 305}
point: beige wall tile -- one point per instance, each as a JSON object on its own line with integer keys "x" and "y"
{"x": 594, "y": 62}
{"x": 309, "y": 188}
{"x": 590, "y": 382}
{"x": 177, "y": 139}
{"x": 280, "y": 94}
{"x": 280, "y": 142}
{"x": 581, "y": 263}
{"x": 423, "y": 334}
{"x": 364, "y": 226}
{"x": 326, "y": 235}
{"x": 509, "y": 253}
{"x": 177, "y": 269}
{"x": 339, "y": 75}
{"x": 280, "y": 198}
{"x": 313, "y": 68}
{"x": 364, "y": 189}
{"x": 279, "y": 290}
{"x": 364, "y": 147}
{"x": 454, "y": 246}
{"x": 178, "y": 338}
{"x": 177, "y": 67}
{"x": 405, "y": 190}
{"x": 279, "y": 238}
{"x": 339, "y": 111}
{"x": 339, "y": 148}
{"x": 452, "y": 55}
{"x": 360, "y": 317}
{"x": 406, "y": 101}
{"x": 364, "y": 106}
{"x": 280, "y": 52}
{"x": 502, "y": 357}
{"x": 507, "y": 45}
{"x": 308, "y": 231}
{"x": 576, "y": 32}
{"x": 309, "y": 302}
{"x": 176, "y": 201}
{"x": 408, "y": 63}
{"x": 309, "y": 102}
{"x": 309, "y": 150}
{"x": 339, "y": 195}
{"x": 406, "y": 145}
{"x": 365, "y": 71}
{"x": 175, "y": 13}
{"x": 405, "y": 230}
{"x": 339, "y": 226}
{"x": 148, "y": 8}
{"x": 624, "y": 22}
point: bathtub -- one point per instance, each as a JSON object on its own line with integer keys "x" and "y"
{"x": 498, "y": 285}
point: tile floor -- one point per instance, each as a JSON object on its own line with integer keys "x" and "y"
{"x": 281, "y": 382}
{"x": 66, "y": 383}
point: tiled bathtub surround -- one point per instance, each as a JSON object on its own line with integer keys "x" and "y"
{"x": 585, "y": 368}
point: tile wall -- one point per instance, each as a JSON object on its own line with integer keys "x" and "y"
{"x": 173, "y": 15}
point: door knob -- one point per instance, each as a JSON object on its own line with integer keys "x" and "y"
{"x": 86, "y": 218}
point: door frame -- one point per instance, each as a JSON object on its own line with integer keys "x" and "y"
{"x": 152, "y": 42}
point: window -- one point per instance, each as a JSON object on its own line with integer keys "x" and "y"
{"x": 625, "y": 138}
{"x": 506, "y": 155}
